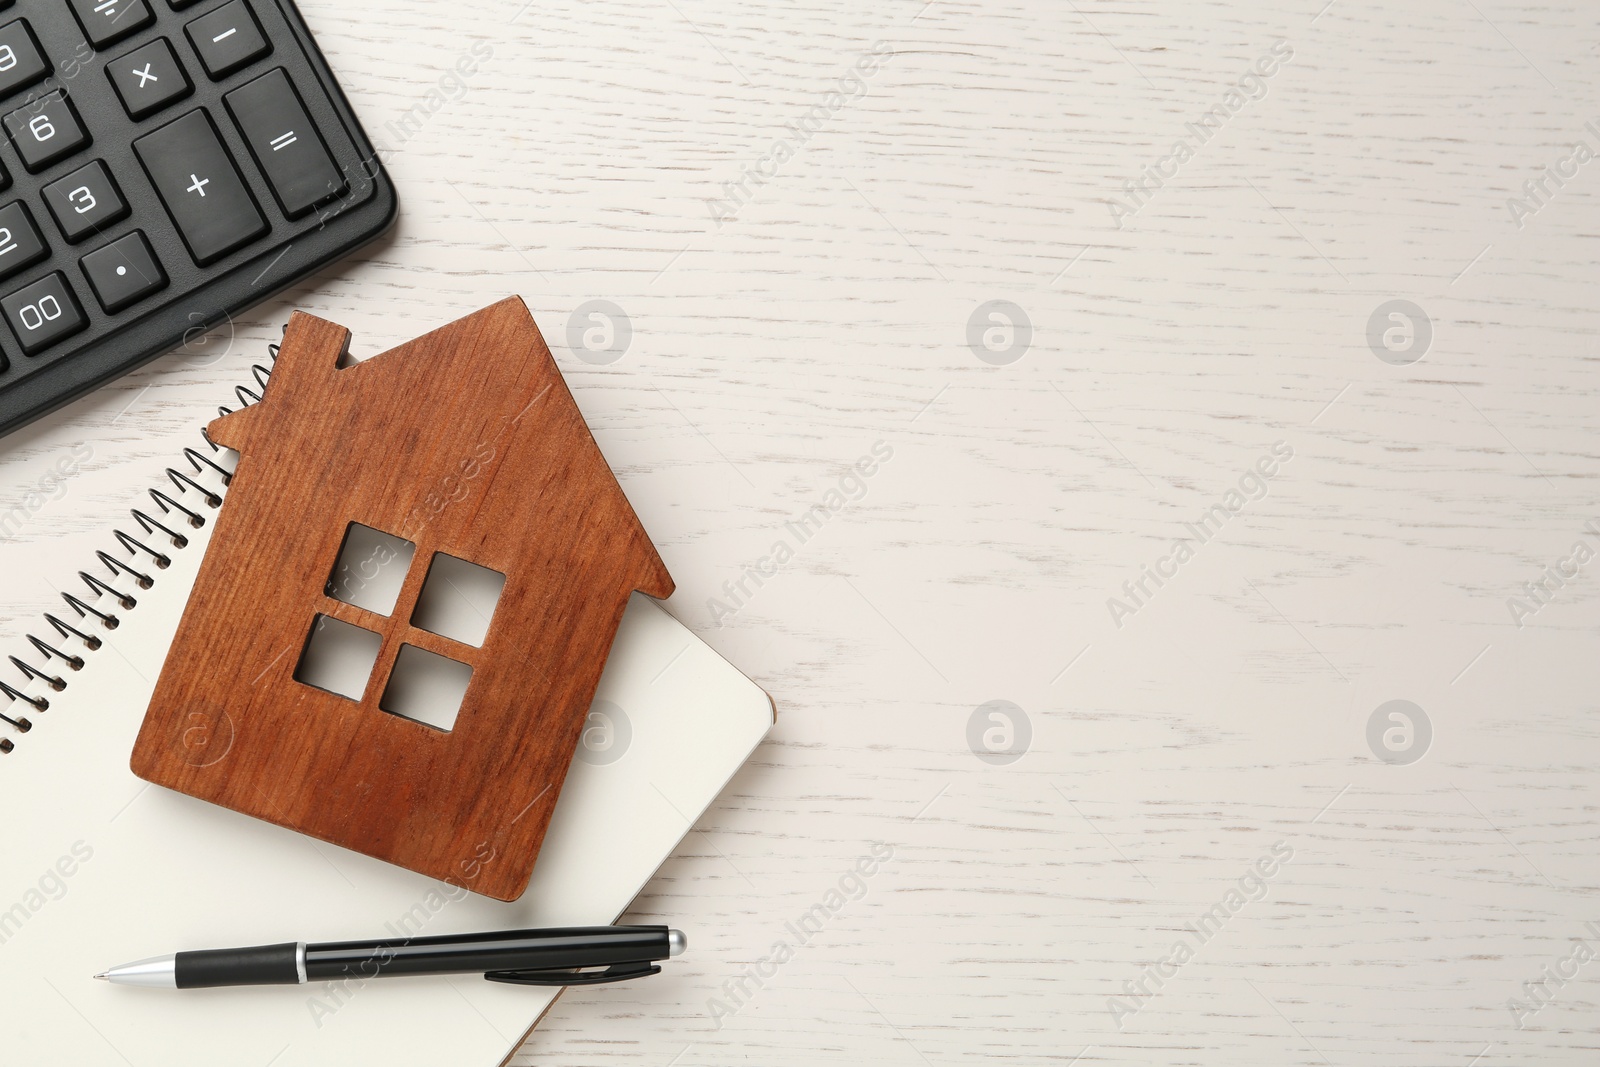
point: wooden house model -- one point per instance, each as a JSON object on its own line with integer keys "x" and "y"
{"x": 466, "y": 445}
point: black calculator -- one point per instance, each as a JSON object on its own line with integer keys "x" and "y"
{"x": 163, "y": 165}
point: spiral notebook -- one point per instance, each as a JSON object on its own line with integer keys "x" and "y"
{"x": 101, "y": 867}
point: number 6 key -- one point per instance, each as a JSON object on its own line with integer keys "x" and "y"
{"x": 45, "y": 130}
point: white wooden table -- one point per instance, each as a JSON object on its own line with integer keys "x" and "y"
{"x": 1099, "y": 899}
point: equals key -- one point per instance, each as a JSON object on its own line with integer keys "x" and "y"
{"x": 285, "y": 143}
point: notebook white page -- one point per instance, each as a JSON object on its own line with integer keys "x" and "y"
{"x": 100, "y": 868}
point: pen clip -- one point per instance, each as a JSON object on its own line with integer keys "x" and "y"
{"x": 617, "y": 972}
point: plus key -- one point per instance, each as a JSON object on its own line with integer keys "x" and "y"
{"x": 200, "y": 187}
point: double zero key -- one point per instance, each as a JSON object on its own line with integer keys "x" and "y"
{"x": 200, "y": 187}
{"x": 43, "y": 313}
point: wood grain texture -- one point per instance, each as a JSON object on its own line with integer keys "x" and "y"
{"x": 464, "y": 442}
{"x": 771, "y": 352}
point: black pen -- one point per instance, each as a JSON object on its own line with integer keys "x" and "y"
{"x": 563, "y": 956}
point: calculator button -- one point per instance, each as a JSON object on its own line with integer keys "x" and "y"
{"x": 45, "y": 131}
{"x": 200, "y": 186}
{"x": 283, "y": 140}
{"x": 43, "y": 313}
{"x": 20, "y": 241}
{"x": 123, "y": 272}
{"x": 85, "y": 201}
{"x": 21, "y": 62}
{"x": 148, "y": 79}
{"x": 227, "y": 38}
{"x": 108, "y": 21}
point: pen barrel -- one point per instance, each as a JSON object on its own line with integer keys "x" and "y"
{"x": 505, "y": 950}
{"x": 257, "y": 965}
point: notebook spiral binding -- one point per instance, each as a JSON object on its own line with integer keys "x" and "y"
{"x": 185, "y": 485}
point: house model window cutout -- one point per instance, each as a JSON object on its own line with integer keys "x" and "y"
{"x": 370, "y": 569}
{"x": 338, "y": 657}
{"x": 456, "y": 601}
{"x": 407, "y": 601}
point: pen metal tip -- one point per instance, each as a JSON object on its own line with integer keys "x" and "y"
{"x": 677, "y": 941}
{"x": 103, "y": 976}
